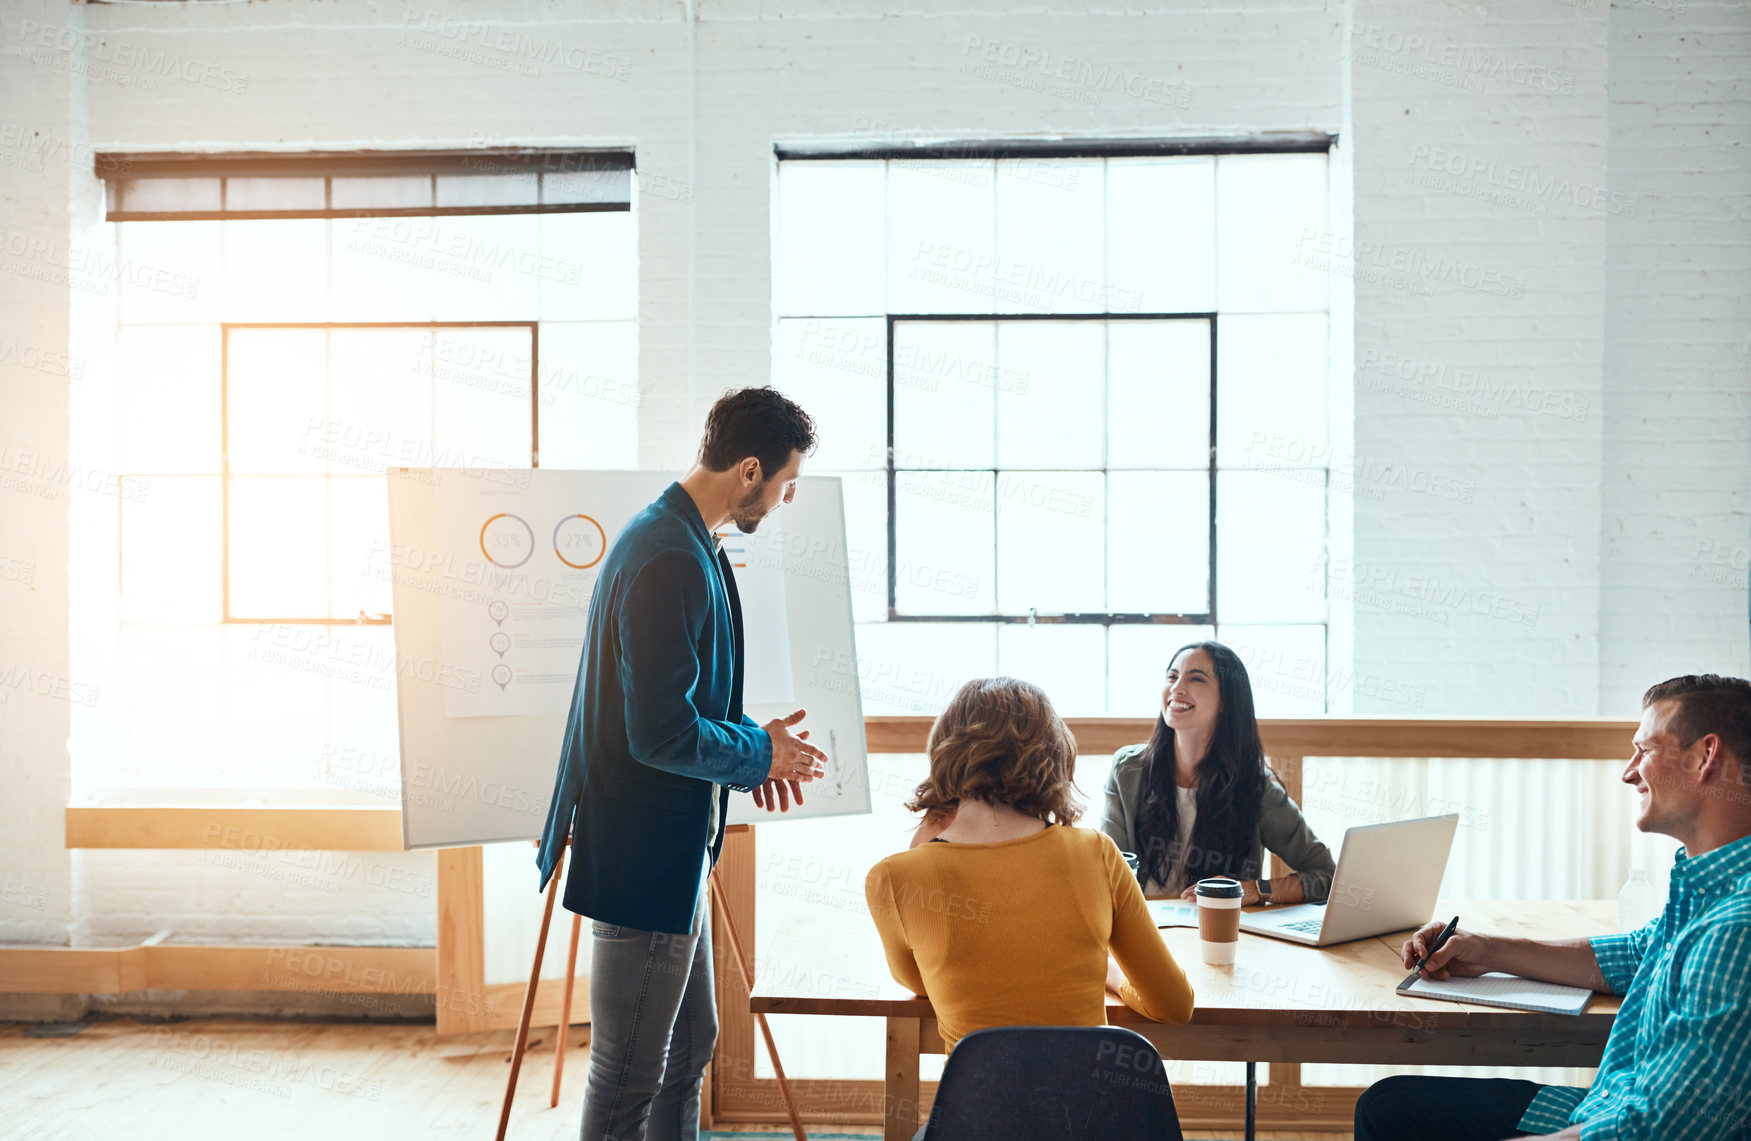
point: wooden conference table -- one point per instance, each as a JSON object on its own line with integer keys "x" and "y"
{"x": 1280, "y": 1002}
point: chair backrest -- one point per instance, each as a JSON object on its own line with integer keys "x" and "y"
{"x": 1054, "y": 1083}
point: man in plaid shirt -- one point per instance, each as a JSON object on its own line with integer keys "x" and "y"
{"x": 1677, "y": 1066}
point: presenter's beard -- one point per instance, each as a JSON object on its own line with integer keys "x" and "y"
{"x": 747, "y": 515}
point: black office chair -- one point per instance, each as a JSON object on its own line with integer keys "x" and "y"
{"x": 1054, "y": 1083}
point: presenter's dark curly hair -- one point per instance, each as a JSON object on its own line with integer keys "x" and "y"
{"x": 1000, "y": 741}
{"x": 758, "y": 422}
{"x": 1231, "y": 784}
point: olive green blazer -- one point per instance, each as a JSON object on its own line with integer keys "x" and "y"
{"x": 1281, "y": 827}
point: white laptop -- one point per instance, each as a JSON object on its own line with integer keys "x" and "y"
{"x": 1387, "y": 879}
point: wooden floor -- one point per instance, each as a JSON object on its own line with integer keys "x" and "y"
{"x": 244, "y": 1080}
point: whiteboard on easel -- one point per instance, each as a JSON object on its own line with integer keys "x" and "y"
{"x": 492, "y": 571}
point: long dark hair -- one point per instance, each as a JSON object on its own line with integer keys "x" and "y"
{"x": 1231, "y": 784}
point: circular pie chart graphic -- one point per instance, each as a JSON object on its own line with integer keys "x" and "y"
{"x": 506, "y": 540}
{"x": 579, "y": 541}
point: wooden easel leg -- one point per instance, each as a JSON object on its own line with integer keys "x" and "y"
{"x": 747, "y": 971}
{"x": 529, "y": 1001}
{"x": 565, "y": 1008}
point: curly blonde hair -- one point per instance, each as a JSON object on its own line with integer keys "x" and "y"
{"x": 1000, "y": 741}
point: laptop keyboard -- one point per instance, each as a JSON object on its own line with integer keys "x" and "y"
{"x": 1305, "y": 926}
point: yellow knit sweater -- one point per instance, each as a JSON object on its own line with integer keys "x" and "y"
{"x": 1016, "y": 933}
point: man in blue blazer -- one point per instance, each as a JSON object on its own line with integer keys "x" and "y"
{"x": 655, "y": 743}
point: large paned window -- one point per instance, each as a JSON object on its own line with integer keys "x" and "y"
{"x": 288, "y": 327}
{"x": 1080, "y": 406}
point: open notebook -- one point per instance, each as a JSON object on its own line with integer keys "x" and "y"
{"x": 1496, "y": 989}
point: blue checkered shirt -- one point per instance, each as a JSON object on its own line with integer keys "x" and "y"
{"x": 1677, "y": 1066}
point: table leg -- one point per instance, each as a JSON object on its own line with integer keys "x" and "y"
{"x": 1252, "y": 1097}
{"x": 900, "y": 1109}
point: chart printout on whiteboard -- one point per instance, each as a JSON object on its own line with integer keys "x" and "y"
{"x": 539, "y": 548}
{"x": 487, "y": 777}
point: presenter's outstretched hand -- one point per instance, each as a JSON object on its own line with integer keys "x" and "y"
{"x": 776, "y": 795}
{"x": 1463, "y": 954}
{"x": 793, "y": 758}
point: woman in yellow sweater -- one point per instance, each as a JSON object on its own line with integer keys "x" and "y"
{"x": 1000, "y": 912}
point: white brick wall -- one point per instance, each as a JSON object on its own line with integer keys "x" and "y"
{"x": 1677, "y": 384}
{"x": 35, "y": 883}
{"x": 1491, "y": 599}
{"x": 1572, "y": 525}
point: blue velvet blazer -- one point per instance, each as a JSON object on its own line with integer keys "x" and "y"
{"x": 656, "y": 721}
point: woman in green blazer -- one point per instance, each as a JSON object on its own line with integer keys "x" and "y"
{"x": 1198, "y": 799}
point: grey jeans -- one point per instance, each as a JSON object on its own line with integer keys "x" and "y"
{"x": 653, "y": 1023}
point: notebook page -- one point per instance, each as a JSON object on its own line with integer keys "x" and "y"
{"x": 1172, "y": 913}
{"x": 1496, "y": 989}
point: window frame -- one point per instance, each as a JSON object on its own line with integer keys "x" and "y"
{"x": 119, "y": 169}
{"x": 1097, "y": 618}
{"x": 226, "y": 618}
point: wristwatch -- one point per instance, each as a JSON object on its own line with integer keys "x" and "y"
{"x": 1264, "y": 891}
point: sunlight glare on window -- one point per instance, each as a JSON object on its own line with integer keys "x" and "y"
{"x": 358, "y": 547}
{"x": 1158, "y": 394}
{"x": 170, "y": 549}
{"x": 278, "y": 547}
{"x": 1051, "y": 227}
{"x": 589, "y": 394}
{"x": 1049, "y": 415}
{"x": 1065, "y": 661}
{"x": 828, "y": 261}
{"x": 174, "y": 271}
{"x": 380, "y": 271}
{"x": 942, "y": 236}
{"x": 943, "y": 539}
{"x": 275, "y": 403}
{"x": 167, "y": 394}
{"x": 587, "y": 259}
{"x": 480, "y": 397}
{"x": 1158, "y": 542}
{"x": 173, "y": 704}
{"x": 274, "y": 270}
{"x": 1270, "y": 224}
{"x": 915, "y": 667}
{"x": 379, "y": 401}
{"x": 836, "y": 368}
{"x": 1270, "y": 564}
{"x": 1286, "y": 665}
{"x": 945, "y": 380}
{"x": 1051, "y": 553}
{"x": 1137, "y": 661}
{"x": 486, "y": 267}
{"x": 1161, "y": 234}
{"x": 1271, "y": 408}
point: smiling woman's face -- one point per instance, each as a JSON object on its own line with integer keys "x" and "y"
{"x": 1191, "y": 698}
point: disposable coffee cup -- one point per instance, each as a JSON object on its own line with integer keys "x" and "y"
{"x": 1131, "y": 861}
{"x": 1218, "y": 918}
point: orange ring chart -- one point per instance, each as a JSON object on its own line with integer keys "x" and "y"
{"x": 581, "y": 539}
{"x": 507, "y": 540}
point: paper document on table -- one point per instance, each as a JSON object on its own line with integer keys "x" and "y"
{"x": 1496, "y": 989}
{"x": 1173, "y": 913}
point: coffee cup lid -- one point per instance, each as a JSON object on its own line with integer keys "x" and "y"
{"x": 1220, "y": 887}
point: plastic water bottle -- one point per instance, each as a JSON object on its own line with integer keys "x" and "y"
{"x": 1637, "y": 902}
